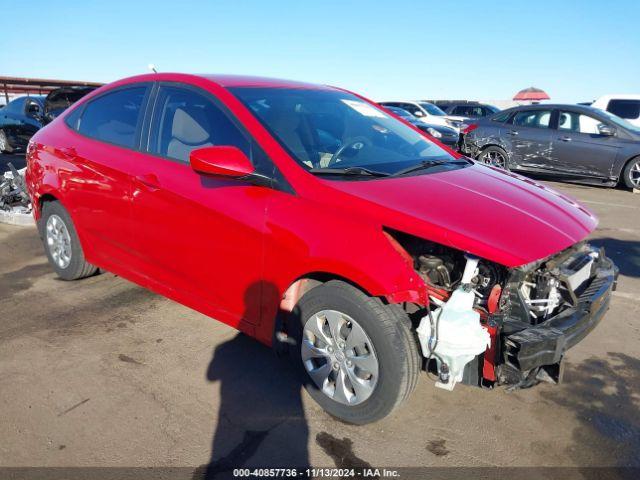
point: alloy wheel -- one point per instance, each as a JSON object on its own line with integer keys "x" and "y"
{"x": 58, "y": 241}
{"x": 634, "y": 174}
{"x": 339, "y": 357}
{"x": 494, "y": 158}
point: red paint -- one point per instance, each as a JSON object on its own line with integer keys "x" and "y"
{"x": 489, "y": 364}
{"x": 223, "y": 161}
{"x": 470, "y": 128}
{"x": 494, "y": 298}
{"x": 230, "y": 249}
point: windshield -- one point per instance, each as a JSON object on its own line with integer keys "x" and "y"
{"x": 330, "y": 129}
{"x": 620, "y": 121}
{"x": 432, "y": 109}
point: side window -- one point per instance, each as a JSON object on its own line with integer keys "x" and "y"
{"x": 187, "y": 120}
{"x": 114, "y": 117}
{"x": 32, "y": 108}
{"x": 628, "y": 109}
{"x": 485, "y": 112}
{"x": 532, "y": 118}
{"x": 575, "y": 122}
{"x": 501, "y": 117}
{"x": 458, "y": 111}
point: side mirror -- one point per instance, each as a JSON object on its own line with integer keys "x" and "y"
{"x": 222, "y": 161}
{"x": 606, "y": 130}
{"x": 418, "y": 113}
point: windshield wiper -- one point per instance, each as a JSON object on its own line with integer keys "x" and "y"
{"x": 425, "y": 164}
{"x": 348, "y": 171}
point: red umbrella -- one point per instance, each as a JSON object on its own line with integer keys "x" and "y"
{"x": 531, "y": 94}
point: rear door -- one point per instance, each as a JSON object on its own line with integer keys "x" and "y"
{"x": 579, "y": 148}
{"x": 529, "y": 136}
{"x": 97, "y": 177}
{"x": 200, "y": 236}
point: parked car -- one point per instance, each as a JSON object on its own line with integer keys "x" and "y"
{"x": 465, "y": 109}
{"x": 24, "y": 116}
{"x": 426, "y": 112}
{"x": 20, "y": 119}
{"x": 573, "y": 142}
{"x": 58, "y": 100}
{"x": 447, "y": 135}
{"x": 626, "y": 107}
{"x": 311, "y": 219}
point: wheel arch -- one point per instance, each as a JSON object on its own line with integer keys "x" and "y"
{"x": 623, "y": 165}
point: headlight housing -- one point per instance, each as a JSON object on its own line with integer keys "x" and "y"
{"x": 434, "y": 133}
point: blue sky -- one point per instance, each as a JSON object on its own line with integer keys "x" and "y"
{"x": 575, "y": 50}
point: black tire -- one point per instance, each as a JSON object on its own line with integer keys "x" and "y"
{"x": 484, "y": 155}
{"x": 5, "y": 146}
{"x": 630, "y": 169}
{"x": 388, "y": 328}
{"x": 77, "y": 267}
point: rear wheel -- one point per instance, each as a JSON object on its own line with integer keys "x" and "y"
{"x": 631, "y": 174}
{"x": 5, "y": 146}
{"x": 61, "y": 243}
{"x": 358, "y": 357}
{"x": 494, "y": 156}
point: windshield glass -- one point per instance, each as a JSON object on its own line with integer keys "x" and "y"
{"x": 432, "y": 109}
{"x": 620, "y": 121}
{"x": 330, "y": 129}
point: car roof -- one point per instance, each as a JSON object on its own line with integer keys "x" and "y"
{"x": 223, "y": 80}
{"x": 556, "y": 106}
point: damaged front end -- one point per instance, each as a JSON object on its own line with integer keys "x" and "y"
{"x": 489, "y": 325}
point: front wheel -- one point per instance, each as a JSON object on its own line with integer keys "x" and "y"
{"x": 61, "y": 243}
{"x": 631, "y": 174}
{"x": 358, "y": 357}
{"x": 494, "y": 156}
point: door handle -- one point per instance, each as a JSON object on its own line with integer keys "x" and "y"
{"x": 149, "y": 181}
{"x": 513, "y": 132}
{"x": 565, "y": 139}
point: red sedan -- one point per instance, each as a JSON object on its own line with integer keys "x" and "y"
{"x": 310, "y": 218}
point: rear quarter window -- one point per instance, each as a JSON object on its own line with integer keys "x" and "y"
{"x": 501, "y": 117}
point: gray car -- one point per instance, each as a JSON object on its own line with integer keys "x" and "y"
{"x": 573, "y": 142}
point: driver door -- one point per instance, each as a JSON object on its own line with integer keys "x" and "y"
{"x": 580, "y": 148}
{"x": 199, "y": 236}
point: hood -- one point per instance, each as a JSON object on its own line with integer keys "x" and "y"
{"x": 487, "y": 212}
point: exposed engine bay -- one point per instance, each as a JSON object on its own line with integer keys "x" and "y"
{"x": 489, "y": 325}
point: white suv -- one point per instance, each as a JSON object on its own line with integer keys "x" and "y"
{"x": 624, "y": 106}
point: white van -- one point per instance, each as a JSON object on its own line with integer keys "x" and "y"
{"x": 624, "y": 106}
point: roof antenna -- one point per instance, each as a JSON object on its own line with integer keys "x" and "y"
{"x": 152, "y": 67}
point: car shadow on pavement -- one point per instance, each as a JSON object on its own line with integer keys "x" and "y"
{"x": 624, "y": 253}
{"x": 261, "y": 421}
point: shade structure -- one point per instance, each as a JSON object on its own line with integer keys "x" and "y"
{"x": 531, "y": 94}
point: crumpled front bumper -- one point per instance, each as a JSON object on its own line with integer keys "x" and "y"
{"x": 543, "y": 346}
